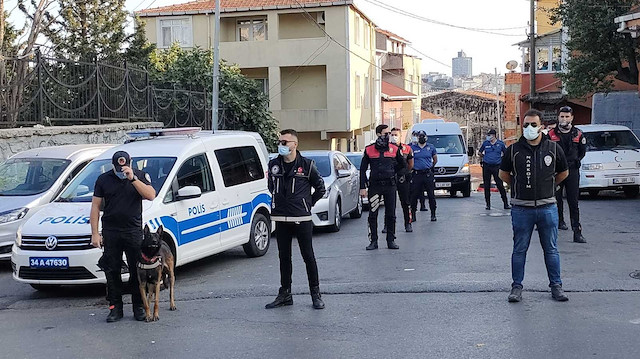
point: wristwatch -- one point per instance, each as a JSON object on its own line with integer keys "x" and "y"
{"x": 135, "y": 178}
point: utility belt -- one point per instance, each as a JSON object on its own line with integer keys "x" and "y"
{"x": 383, "y": 182}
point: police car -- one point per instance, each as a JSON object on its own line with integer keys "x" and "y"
{"x": 211, "y": 196}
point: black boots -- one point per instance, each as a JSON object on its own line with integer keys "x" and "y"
{"x": 284, "y": 298}
{"x": 577, "y": 236}
{"x": 562, "y": 226}
{"x": 115, "y": 313}
{"x": 558, "y": 294}
{"x": 413, "y": 216}
{"x": 138, "y": 313}
{"x": 373, "y": 245}
{"x": 316, "y": 298}
{"x": 433, "y": 216}
{"x": 392, "y": 244}
{"x": 384, "y": 230}
{"x": 408, "y": 228}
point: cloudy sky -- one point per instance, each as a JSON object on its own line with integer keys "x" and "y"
{"x": 423, "y": 23}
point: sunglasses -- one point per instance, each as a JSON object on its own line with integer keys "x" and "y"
{"x": 533, "y": 124}
{"x": 284, "y": 142}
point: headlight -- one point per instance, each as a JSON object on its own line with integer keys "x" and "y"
{"x": 19, "y": 237}
{"x": 13, "y": 215}
{"x": 592, "y": 166}
{"x": 465, "y": 168}
{"x": 327, "y": 193}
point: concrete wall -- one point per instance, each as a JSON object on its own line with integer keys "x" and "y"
{"x": 16, "y": 140}
{"x": 304, "y": 87}
{"x": 543, "y": 20}
{"x": 298, "y": 26}
{"x": 617, "y": 108}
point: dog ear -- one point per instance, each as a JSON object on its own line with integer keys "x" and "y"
{"x": 160, "y": 230}
{"x": 146, "y": 230}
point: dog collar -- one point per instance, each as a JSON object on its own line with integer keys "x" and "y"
{"x": 154, "y": 265}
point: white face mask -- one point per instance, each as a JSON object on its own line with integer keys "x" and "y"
{"x": 531, "y": 133}
{"x": 394, "y": 139}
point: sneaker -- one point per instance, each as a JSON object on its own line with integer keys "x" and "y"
{"x": 558, "y": 294}
{"x": 562, "y": 226}
{"x": 115, "y": 313}
{"x": 516, "y": 294}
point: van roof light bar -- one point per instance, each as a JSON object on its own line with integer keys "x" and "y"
{"x": 152, "y": 133}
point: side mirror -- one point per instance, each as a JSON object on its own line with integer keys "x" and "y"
{"x": 471, "y": 151}
{"x": 344, "y": 173}
{"x": 189, "y": 192}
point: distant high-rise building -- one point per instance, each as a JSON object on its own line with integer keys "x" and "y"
{"x": 462, "y": 65}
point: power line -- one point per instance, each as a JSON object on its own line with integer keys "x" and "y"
{"x": 429, "y": 57}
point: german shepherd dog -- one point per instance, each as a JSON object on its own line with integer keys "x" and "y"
{"x": 156, "y": 264}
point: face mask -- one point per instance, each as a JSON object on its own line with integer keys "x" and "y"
{"x": 531, "y": 133}
{"x": 422, "y": 140}
{"x": 414, "y": 139}
{"x": 284, "y": 150}
{"x": 395, "y": 139}
{"x": 489, "y": 138}
{"x": 382, "y": 143}
{"x": 120, "y": 175}
{"x": 545, "y": 131}
{"x": 565, "y": 125}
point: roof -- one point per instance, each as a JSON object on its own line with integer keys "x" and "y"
{"x": 426, "y": 115}
{"x": 208, "y": 6}
{"x": 526, "y": 43}
{"x": 392, "y": 36}
{"x": 394, "y": 93}
{"x": 61, "y": 152}
{"x": 485, "y": 95}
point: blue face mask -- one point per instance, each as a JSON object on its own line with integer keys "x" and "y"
{"x": 284, "y": 150}
{"x": 489, "y": 138}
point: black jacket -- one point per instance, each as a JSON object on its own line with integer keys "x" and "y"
{"x": 385, "y": 165}
{"x": 574, "y": 147}
{"x": 533, "y": 171}
{"x": 292, "y": 198}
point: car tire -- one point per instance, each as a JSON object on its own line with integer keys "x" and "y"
{"x": 632, "y": 192}
{"x": 593, "y": 193}
{"x": 337, "y": 219}
{"x": 467, "y": 191}
{"x": 46, "y": 287}
{"x": 357, "y": 213}
{"x": 259, "y": 237}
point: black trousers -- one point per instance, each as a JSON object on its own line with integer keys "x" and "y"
{"x": 420, "y": 182}
{"x": 489, "y": 171}
{"x": 303, "y": 231}
{"x": 404, "y": 194}
{"x": 115, "y": 243}
{"x": 388, "y": 193}
{"x": 572, "y": 186}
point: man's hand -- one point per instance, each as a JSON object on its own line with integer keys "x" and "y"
{"x": 363, "y": 193}
{"x": 127, "y": 172}
{"x": 96, "y": 240}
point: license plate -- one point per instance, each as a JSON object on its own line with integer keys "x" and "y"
{"x": 623, "y": 180}
{"x": 443, "y": 184}
{"x": 49, "y": 262}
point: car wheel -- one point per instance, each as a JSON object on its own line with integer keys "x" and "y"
{"x": 357, "y": 213}
{"x": 632, "y": 192}
{"x": 467, "y": 191}
{"x": 337, "y": 221}
{"x": 45, "y": 287}
{"x": 594, "y": 193}
{"x": 259, "y": 237}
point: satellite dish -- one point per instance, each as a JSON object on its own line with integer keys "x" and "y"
{"x": 512, "y": 65}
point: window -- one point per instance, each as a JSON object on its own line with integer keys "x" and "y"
{"x": 557, "y": 59}
{"x": 542, "y": 63}
{"x": 367, "y": 91}
{"x": 367, "y": 36}
{"x": 357, "y": 31}
{"x": 337, "y": 164}
{"x": 251, "y": 29}
{"x": 323, "y": 164}
{"x": 346, "y": 165}
{"x": 358, "y": 99}
{"x": 264, "y": 85}
{"x": 239, "y": 165}
{"x": 29, "y": 176}
{"x": 194, "y": 172}
{"x": 175, "y": 30}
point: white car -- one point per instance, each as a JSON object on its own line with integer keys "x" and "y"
{"x": 612, "y": 161}
{"x": 212, "y": 196}
{"x": 33, "y": 178}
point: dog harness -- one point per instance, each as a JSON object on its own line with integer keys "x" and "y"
{"x": 152, "y": 263}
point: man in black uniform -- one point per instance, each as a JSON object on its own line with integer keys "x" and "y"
{"x": 291, "y": 178}
{"x": 386, "y": 162}
{"x": 574, "y": 145}
{"x": 121, "y": 191}
{"x": 403, "y": 179}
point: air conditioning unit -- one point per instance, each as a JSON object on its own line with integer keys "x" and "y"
{"x": 320, "y": 18}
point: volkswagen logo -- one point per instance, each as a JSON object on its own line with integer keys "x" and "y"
{"x": 51, "y": 243}
{"x": 442, "y": 170}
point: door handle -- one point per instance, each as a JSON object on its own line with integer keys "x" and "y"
{"x": 212, "y": 206}
{"x": 173, "y": 214}
{"x": 225, "y": 202}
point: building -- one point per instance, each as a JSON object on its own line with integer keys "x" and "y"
{"x": 317, "y": 62}
{"x": 630, "y": 24}
{"x": 462, "y": 66}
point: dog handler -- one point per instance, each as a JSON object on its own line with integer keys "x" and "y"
{"x": 121, "y": 191}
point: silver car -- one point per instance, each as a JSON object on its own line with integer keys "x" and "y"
{"x": 342, "y": 181}
{"x": 356, "y": 159}
{"x": 33, "y": 178}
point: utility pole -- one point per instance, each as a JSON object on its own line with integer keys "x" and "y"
{"x": 532, "y": 53}
{"x": 215, "y": 93}
{"x": 498, "y": 113}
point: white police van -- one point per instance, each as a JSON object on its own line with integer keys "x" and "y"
{"x": 211, "y": 196}
{"x": 452, "y": 170}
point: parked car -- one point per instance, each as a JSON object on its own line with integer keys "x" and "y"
{"x": 211, "y": 196}
{"x": 612, "y": 161}
{"x": 356, "y": 159}
{"x": 342, "y": 180}
{"x": 33, "y": 178}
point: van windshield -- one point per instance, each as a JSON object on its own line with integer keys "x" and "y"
{"x": 611, "y": 140}
{"x": 29, "y": 176}
{"x": 449, "y": 144}
{"x": 81, "y": 187}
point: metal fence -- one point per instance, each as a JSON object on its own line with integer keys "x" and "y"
{"x": 51, "y": 91}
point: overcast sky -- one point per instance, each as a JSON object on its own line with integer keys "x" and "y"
{"x": 437, "y": 41}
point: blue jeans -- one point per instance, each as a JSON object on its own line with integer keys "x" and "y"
{"x": 523, "y": 220}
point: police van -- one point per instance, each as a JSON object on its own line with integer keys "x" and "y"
{"x": 211, "y": 196}
{"x": 452, "y": 170}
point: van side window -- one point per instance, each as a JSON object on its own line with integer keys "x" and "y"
{"x": 193, "y": 172}
{"x": 239, "y": 165}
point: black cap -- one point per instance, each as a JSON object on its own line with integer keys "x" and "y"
{"x": 119, "y": 159}
{"x": 421, "y": 133}
{"x": 565, "y": 109}
{"x": 492, "y": 132}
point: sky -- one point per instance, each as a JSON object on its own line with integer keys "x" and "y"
{"x": 440, "y": 42}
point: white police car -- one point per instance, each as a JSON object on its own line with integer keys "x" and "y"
{"x": 212, "y": 196}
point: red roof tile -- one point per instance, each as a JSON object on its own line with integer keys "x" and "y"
{"x": 391, "y": 92}
{"x": 237, "y": 5}
{"x": 426, "y": 115}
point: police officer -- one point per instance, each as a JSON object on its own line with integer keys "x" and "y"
{"x": 425, "y": 157}
{"x": 291, "y": 178}
{"x": 491, "y": 153}
{"x": 386, "y": 162}
{"x": 121, "y": 191}
{"x": 404, "y": 178}
{"x": 574, "y": 144}
{"x": 414, "y": 141}
{"x": 534, "y": 166}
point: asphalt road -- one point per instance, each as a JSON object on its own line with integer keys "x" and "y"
{"x": 442, "y": 295}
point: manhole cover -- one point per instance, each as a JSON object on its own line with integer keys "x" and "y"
{"x": 635, "y": 275}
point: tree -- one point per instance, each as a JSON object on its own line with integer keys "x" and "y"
{"x": 599, "y": 53}
{"x": 244, "y": 105}
{"x": 139, "y": 49}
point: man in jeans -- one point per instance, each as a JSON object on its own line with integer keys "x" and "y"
{"x": 491, "y": 153}
{"x": 534, "y": 166}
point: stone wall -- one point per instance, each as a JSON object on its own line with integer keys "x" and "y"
{"x": 16, "y": 140}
